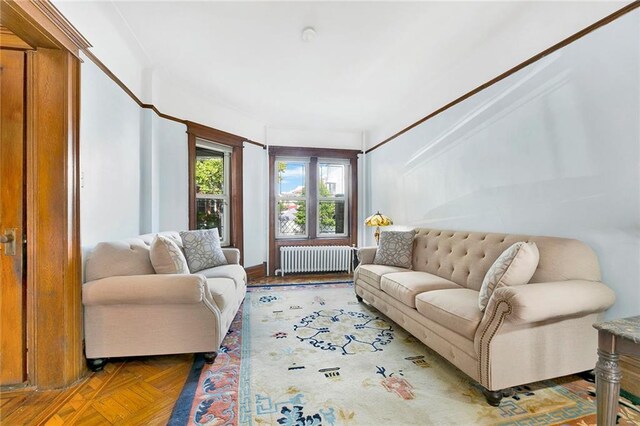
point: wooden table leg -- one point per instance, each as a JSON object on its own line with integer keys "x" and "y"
{"x": 608, "y": 377}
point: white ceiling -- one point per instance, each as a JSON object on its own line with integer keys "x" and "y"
{"x": 373, "y": 66}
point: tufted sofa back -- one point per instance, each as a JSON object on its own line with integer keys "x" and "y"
{"x": 123, "y": 257}
{"x": 465, "y": 257}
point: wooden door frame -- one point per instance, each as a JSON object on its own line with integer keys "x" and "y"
{"x": 54, "y": 281}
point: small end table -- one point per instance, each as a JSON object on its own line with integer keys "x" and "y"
{"x": 615, "y": 338}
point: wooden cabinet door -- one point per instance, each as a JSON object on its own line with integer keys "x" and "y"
{"x": 12, "y": 148}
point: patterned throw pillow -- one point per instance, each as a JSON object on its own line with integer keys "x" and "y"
{"x": 395, "y": 249}
{"x": 166, "y": 256}
{"x": 515, "y": 266}
{"x": 202, "y": 249}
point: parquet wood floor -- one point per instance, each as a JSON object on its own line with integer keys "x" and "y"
{"x": 135, "y": 391}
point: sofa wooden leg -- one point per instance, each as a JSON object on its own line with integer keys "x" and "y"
{"x": 210, "y": 357}
{"x": 96, "y": 364}
{"x": 493, "y": 397}
{"x": 359, "y": 299}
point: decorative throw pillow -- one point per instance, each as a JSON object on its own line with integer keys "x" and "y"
{"x": 515, "y": 266}
{"x": 166, "y": 256}
{"x": 202, "y": 249}
{"x": 395, "y": 249}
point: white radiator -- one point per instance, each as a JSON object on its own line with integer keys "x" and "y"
{"x": 315, "y": 259}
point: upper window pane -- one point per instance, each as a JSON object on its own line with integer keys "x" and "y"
{"x": 331, "y": 180}
{"x": 291, "y": 179}
{"x": 209, "y": 172}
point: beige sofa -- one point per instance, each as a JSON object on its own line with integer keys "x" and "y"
{"x": 526, "y": 334}
{"x": 129, "y": 310}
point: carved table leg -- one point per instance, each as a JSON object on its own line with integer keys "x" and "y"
{"x": 608, "y": 377}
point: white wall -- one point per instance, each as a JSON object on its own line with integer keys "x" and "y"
{"x": 133, "y": 164}
{"x": 110, "y": 134}
{"x": 340, "y": 139}
{"x": 255, "y": 175}
{"x": 172, "y": 175}
{"x": 552, "y": 150}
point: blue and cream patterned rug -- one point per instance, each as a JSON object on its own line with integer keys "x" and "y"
{"x": 312, "y": 355}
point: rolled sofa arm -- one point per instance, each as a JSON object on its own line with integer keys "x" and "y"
{"x": 544, "y": 301}
{"x": 232, "y": 255}
{"x": 150, "y": 289}
{"x": 366, "y": 255}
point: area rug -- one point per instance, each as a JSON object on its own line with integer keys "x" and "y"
{"x": 311, "y": 355}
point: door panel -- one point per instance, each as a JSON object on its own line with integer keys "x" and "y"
{"x": 12, "y": 291}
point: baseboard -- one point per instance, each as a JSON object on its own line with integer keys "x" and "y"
{"x": 257, "y": 271}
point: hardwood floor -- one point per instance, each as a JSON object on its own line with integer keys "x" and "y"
{"x": 135, "y": 391}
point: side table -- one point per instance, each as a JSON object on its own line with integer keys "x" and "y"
{"x": 615, "y": 338}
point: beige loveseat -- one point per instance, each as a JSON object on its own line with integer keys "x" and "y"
{"x": 130, "y": 310}
{"x": 527, "y": 333}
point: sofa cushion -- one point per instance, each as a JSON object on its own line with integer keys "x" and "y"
{"x": 455, "y": 309}
{"x": 166, "y": 257}
{"x": 515, "y": 266}
{"x": 235, "y": 272}
{"x": 371, "y": 274}
{"x": 223, "y": 292}
{"x": 395, "y": 249}
{"x": 405, "y": 286}
{"x": 202, "y": 249}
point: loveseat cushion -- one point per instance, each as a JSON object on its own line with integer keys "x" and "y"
{"x": 455, "y": 309}
{"x": 371, "y": 274}
{"x": 405, "y": 286}
{"x": 235, "y": 272}
{"x": 223, "y": 292}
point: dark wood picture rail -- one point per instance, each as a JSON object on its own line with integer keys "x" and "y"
{"x": 604, "y": 21}
{"x": 312, "y": 239}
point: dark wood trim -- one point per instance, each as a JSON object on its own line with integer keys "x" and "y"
{"x": 52, "y": 101}
{"x": 195, "y": 131}
{"x": 237, "y": 203}
{"x": 604, "y": 21}
{"x": 40, "y": 24}
{"x": 312, "y": 239}
{"x": 313, "y": 152}
{"x": 214, "y": 133}
{"x": 272, "y": 259}
{"x": 8, "y": 40}
{"x": 191, "y": 149}
{"x": 256, "y": 272}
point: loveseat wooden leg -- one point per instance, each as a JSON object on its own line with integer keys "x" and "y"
{"x": 493, "y": 397}
{"x": 210, "y": 357}
{"x": 359, "y": 299}
{"x": 96, "y": 364}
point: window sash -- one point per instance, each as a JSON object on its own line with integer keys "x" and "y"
{"x": 225, "y": 238}
{"x": 344, "y": 198}
{"x": 279, "y": 197}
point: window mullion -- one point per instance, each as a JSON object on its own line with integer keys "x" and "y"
{"x": 312, "y": 202}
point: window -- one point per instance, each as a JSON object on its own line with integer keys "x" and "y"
{"x": 332, "y": 204}
{"x": 291, "y": 197}
{"x": 212, "y": 187}
{"x": 313, "y": 198}
{"x": 215, "y": 182}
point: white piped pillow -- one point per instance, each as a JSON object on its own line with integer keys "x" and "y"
{"x": 166, "y": 257}
{"x": 515, "y": 266}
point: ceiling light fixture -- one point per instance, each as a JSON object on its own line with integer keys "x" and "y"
{"x": 308, "y": 34}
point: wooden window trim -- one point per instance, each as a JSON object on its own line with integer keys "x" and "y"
{"x": 198, "y": 131}
{"x": 311, "y": 239}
